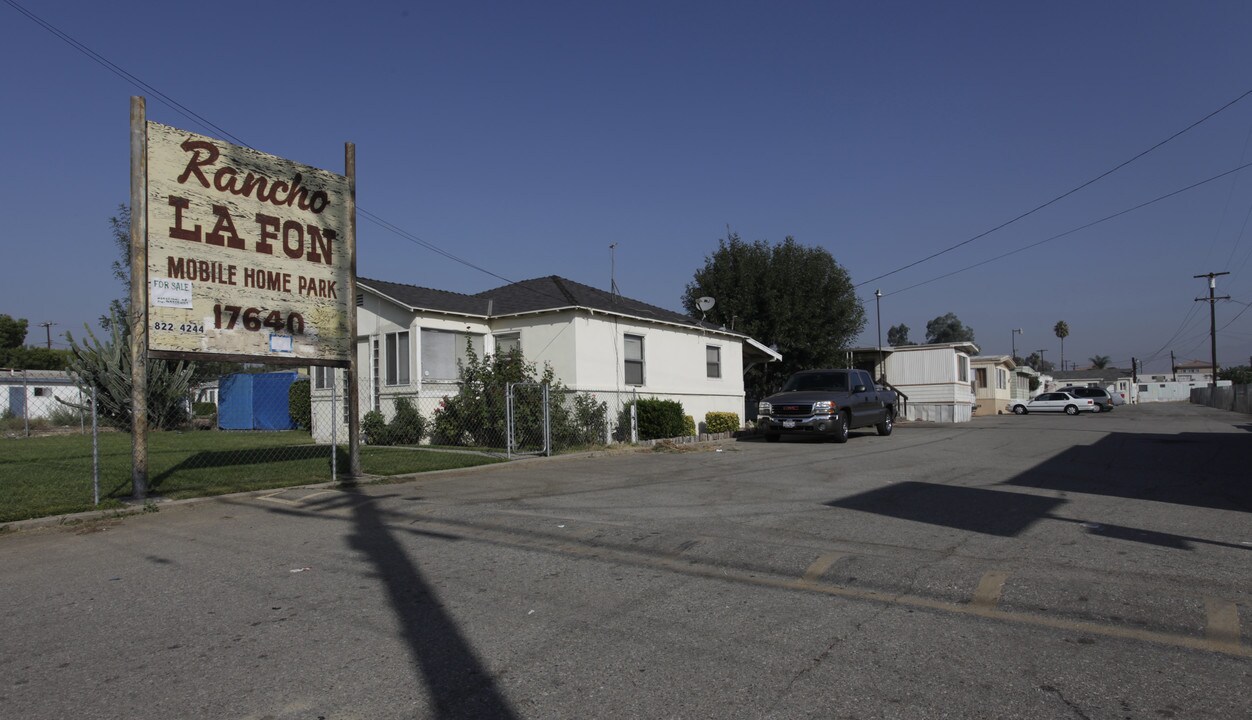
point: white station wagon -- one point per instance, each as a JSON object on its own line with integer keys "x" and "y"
{"x": 1053, "y": 402}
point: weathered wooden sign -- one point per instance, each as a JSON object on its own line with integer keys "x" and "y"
{"x": 248, "y": 253}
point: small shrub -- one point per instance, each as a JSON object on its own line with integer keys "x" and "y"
{"x": 720, "y": 422}
{"x": 64, "y": 416}
{"x": 374, "y": 427}
{"x": 299, "y": 404}
{"x": 408, "y": 427}
{"x": 658, "y": 418}
{"x": 689, "y": 425}
{"x": 206, "y": 409}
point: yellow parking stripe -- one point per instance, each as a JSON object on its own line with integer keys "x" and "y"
{"x": 989, "y": 588}
{"x": 821, "y": 565}
{"x": 1223, "y": 621}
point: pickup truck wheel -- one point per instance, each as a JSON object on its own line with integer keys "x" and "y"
{"x": 884, "y": 428}
{"x": 840, "y": 430}
{"x": 773, "y": 437}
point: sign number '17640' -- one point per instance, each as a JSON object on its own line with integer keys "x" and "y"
{"x": 252, "y": 320}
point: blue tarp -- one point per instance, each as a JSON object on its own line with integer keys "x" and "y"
{"x": 255, "y": 401}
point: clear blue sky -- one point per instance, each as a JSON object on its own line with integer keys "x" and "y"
{"x": 527, "y": 137}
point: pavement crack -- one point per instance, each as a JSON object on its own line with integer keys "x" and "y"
{"x": 820, "y": 658}
{"x": 1056, "y": 691}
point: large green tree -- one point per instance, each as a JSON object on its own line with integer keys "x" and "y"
{"x": 948, "y": 328}
{"x": 785, "y": 295}
{"x": 1036, "y": 361}
{"x": 15, "y": 354}
{"x": 1099, "y": 362}
{"x": 12, "y": 332}
{"x": 898, "y": 335}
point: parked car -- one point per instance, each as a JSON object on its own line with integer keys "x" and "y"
{"x": 826, "y": 403}
{"x": 1119, "y": 398}
{"x": 1054, "y": 402}
{"x": 1104, "y": 401}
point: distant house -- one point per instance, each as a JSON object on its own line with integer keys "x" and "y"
{"x": 35, "y": 393}
{"x": 410, "y": 341}
{"x": 1025, "y": 382}
{"x": 993, "y": 383}
{"x": 937, "y": 378}
{"x": 1199, "y": 371}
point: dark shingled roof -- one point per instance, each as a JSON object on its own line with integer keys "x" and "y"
{"x": 539, "y": 294}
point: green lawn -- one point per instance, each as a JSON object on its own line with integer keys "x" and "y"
{"x": 52, "y": 475}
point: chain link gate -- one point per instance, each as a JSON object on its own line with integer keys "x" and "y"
{"x": 528, "y": 420}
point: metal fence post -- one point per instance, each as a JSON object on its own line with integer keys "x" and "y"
{"x": 547, "y": 422}
{"x": 95, "y": 449}
{"x": 508, "y": 420}
{"x": 25, "y": 403}
{"x": 334, "y": 434}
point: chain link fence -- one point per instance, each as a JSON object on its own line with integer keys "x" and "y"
{"x": 250, "y": 427}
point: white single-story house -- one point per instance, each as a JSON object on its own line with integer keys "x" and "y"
{"x": 410, "y": 340}
{"x": 994, "y": 381}
{"x": 35, "y": 393}
{"x": 936, "y": 379}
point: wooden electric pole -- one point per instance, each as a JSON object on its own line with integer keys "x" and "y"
{"x": 1212, "y": 301}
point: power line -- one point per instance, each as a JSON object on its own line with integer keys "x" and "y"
{"x": 1064, "y": 195}
{"x": 122, "y": 73}
{"x": 198, "y": 119}
{"x": 1071, "y": 231}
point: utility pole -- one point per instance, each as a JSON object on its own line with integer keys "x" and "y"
{"x": 1134, "y": 370}
{"x": 1173, "y": 365}
{"x": 1040, "y": 351}
{"x": 1016, "y": 332}
{"x": 1212, "y": 301}
{"x": 878, "y": 314}
{"x": 47, "y": 326}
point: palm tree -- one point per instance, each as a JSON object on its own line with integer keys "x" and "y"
{"x": 1099, "y": 362}
{"x": 1062, "y": 331}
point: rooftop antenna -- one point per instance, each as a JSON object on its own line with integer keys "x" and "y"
{"x": 613, "y": 271}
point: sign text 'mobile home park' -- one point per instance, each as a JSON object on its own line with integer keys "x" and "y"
{"x": 247, "y": 253}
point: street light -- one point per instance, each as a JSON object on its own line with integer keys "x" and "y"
{"x": 1016, "y": 332}
{"x": 878, "y": 314}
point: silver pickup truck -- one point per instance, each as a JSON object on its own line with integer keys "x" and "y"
{"x": 828, "y": 403}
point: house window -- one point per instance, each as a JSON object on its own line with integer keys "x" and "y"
{"x": 980, "y": 377}
{"x": 506, "y": 344}
{"x": 1002, "y": 379}
{"x": 43, "y": 392}
{"x": 1143, "y": 388}
{"x": 397, "y": 358}
{"x": 634, "y": 359}
{"x": 375, "y": 363}
{"x": 322, "y": 378}
{"x": 713, "y": 361}
{"x": 442, "y": 350}
{"x": 962, "y": 368}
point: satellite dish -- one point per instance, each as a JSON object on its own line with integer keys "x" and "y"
{"x": 705, "y": 304}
